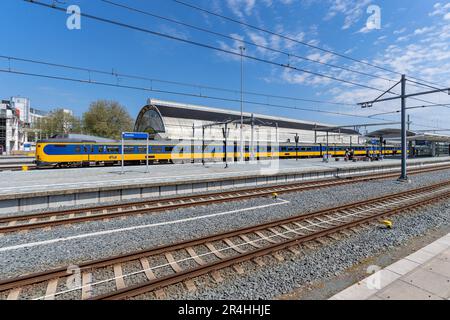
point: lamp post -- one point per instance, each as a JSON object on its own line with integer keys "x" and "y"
{"x": 242, "y": 48}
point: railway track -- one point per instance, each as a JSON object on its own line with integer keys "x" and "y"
{"x": 17, "y": 167}
{"x": 46, "y": 220}
{"x": 17, "y": 223}
{"x": 154, "y": 269}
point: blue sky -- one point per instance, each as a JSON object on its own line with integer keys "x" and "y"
{"x": 414, "y": 38}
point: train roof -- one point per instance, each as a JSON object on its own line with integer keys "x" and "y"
{"x": 77, "y": 138}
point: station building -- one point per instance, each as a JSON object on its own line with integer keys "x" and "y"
{"x": 16, "y": 120}
{"x": 178, "y": 121}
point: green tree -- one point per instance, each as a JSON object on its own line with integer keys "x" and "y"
{"x": 107, "y": 119}
{"x": 57, "y": 122}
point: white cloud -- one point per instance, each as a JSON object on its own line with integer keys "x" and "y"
{"x": 423, "y": 30}
{"x": 400, "y": 31}
{"x": 440, "y": 9}
{"x": 353, "y": 11}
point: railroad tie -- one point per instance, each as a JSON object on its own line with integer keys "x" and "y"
{"x": 234, "y": 246}
{"x": 86, "y": 290}
{"x": 52, "y": 218}
{"x": 250, "y": 242}
{"x": 216, "y": 276}
{"x": 175, "y": 266}
{"x": 303, "y": 227}
{"x": 263, "y": 236}
{"x": 322, "y": 241}
{"x": 278, "y": 256}
{"x": 259, "y": 261}
{"x": 12, "y": 223}
{"x": 195, "y": 256}
{"x": 279, "y": 234}
{"x": 334, "y": 237}
{"x": 120, "y": 283}
{"x": 213, "y": 249}
{"x": 291, "y": 230}
{"x": 51, "y": 289}
{"x": 294, "y": 250}
{"x": 238, "y": 268}
{"x": 159, "y": 293}
{"x": 14, "y": 294}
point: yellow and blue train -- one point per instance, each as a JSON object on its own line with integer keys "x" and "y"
{"x": 71, "y": 152}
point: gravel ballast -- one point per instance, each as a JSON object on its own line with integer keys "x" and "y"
{"x": 325, "y": 260}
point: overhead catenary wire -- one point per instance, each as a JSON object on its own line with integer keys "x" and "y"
{"x": 93, "y": 82}
{"x": 222, "y": 16}
{"x": 445, "y": 91}
{"x": 207, "y": 46}
{"x": 121, "y": 24}
{"x": 108, "y": 84}
{"x": 192, "y": 85}
{"x": 287, "y": 54}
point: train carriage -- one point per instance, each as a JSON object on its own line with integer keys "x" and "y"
{"x": 78, "y": 152}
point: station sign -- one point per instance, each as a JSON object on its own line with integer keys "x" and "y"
{"x": 134, "y": 135}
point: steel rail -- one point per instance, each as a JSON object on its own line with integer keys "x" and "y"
{"x": 179, "y": 202}
{"x": 35, "y": 278}
{"x": 149, "y": 286}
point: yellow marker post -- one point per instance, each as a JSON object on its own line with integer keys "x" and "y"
{"x": 24, "y": 168}
{"x": 387, "y": 223}
{"x": 275, "y": 195}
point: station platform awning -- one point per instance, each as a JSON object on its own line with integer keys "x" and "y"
{"x": 389, "y": 133}
{"x": 395, "y": 134}
{"x": 431, "y": 137}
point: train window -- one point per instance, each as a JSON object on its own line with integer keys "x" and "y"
{"x": 142, "y": 149}
{"x": 247, "y": 149}
{"x": 169, "y": 149}
{"x": 157, "y": 149}
{"x": 112, "y": 149}
{"x": 101, "y": 149}
{"x": 77, "y": 149}
{"x": 86, "y": 149}
{"x": 269, "y": 149}
{"x": 129, "y": 149}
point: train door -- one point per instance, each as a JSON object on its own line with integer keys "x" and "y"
{"x": 87, "y": 150}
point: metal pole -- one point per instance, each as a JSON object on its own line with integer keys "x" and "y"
{"x": 122, "y": 153}
{"x": 404, "y": 176}
{"x": 146, "y": 156}
{"x": 225, "y": 135}
{"x": 327, "y": 155}
{"x": 252, "y": 154}
{"x": 203, "y": 145}
{"x": 242, "y": 48}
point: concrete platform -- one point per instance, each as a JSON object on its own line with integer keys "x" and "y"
{"x": 423, "y": 275}
{"x": 41, "y": 189}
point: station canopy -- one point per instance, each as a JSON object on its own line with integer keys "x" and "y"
{"x": 395, "y": 134}
{"x": 389, "y": 133}
{"x": 152, "y": 118}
